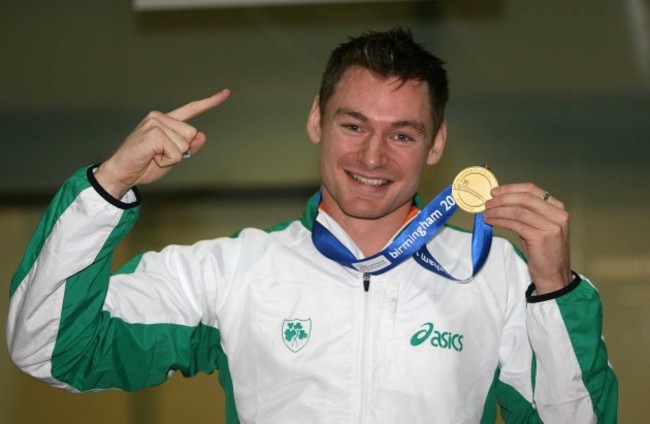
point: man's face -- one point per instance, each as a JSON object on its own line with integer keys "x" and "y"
{"x": 376, "y": 136}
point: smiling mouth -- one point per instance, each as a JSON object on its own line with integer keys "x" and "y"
{"x": 374, "y": 182}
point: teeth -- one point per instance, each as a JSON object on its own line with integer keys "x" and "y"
{"x": 369, "y": 181}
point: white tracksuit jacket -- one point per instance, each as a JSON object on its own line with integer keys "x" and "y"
{"x": 295, "y": 337}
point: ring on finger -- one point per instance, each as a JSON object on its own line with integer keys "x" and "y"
{"x": 187, "y": 155}
{"x": 546, "y": 196}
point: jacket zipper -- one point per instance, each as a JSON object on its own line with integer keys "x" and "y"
{"x": 366, "y": 282}
{"x": 364, "y": 347}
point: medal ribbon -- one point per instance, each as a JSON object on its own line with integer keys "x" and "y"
{"x": 411, "y": 241}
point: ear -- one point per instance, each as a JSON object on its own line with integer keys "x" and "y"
{"x": 438, "y": 146}
{"x": 313, "y": 122}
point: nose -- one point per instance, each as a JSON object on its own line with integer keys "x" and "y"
{"x": 372, "y": 152}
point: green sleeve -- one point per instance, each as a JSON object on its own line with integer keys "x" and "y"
{"x": 59, "y": 329}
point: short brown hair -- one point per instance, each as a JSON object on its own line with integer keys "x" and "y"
{"x": 391, "y": 53}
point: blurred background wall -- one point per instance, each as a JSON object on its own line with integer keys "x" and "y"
{"x": 553, "y": 92}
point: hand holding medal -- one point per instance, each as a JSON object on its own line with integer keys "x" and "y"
{"x": 542, "y": 223}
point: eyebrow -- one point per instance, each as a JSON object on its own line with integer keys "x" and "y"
{"x": 418, "y": 126}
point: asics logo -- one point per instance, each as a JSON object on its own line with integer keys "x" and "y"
{"x": 438, "y": 339}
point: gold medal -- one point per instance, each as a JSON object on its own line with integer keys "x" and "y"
{"x": 471, "y": 188}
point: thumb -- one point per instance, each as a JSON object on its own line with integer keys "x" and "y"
{"x": 197, "y": 142}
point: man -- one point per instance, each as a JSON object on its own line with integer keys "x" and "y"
{"x": 299, "y": 335}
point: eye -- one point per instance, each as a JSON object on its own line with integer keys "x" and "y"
{"x": 352, "y": 127}
{"x": 403, "y": 138}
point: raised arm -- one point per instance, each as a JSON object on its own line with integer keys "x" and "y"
{"x": 74, "y": 325}
{"x": 573, "y": 381}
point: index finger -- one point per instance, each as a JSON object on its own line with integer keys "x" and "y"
{"x": 516, "y": 188}
{"x": 525, "y": 192}
{"x": 197, "y": 107}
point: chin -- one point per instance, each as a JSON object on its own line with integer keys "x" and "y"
{"x": 367, "y": 212}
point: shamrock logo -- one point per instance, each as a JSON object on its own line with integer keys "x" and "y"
{"x": 296, "y": 333}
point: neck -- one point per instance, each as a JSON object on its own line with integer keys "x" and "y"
{"x": 370, "y": 234}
